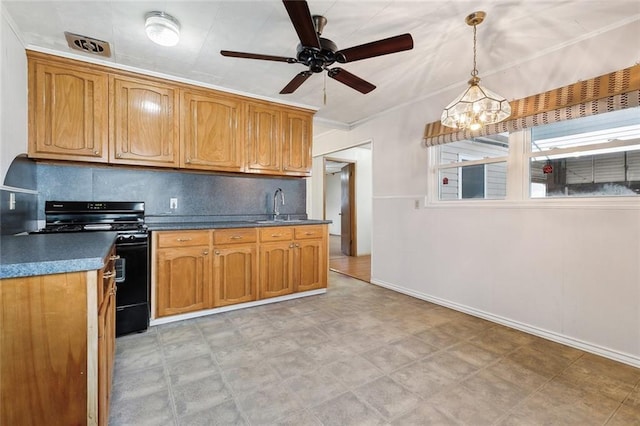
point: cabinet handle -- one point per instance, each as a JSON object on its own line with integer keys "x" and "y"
{"x": 188, "y": 160}
{"x": 96, "y": 152}
{"x": 182, "y": 240}
{"x": 236, "y": 237}
{"x": 297, "y": 245}
{"x": 206, "y": 252}
{"x": 109, "y": 274}
{"x": 119, "y": 155}
{"x": 291, "y": 245}
{"x": 276, "y": 235}
{"x": 217, "y": 252}
{"x": 309, "y": 233}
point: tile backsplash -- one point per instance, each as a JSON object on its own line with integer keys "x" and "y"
{"x": 201, "y": 196}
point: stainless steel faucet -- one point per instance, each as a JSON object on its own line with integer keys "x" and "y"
{"x": 276, "y": 208}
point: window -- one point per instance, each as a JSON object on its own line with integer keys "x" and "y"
{"x": 587, "y": 157}
{"x": 594, "y": 156}
{"x": 474, "y": 168}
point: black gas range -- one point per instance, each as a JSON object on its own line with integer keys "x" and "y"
{"x": 76, "y": 216}
{"x": 126, "y": 218}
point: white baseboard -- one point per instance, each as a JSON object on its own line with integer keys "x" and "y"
{"x": 190, "y": 315}
{"x": 546, "y": 334}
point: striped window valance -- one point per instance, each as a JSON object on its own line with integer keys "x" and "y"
{"x": 609, "y": 92}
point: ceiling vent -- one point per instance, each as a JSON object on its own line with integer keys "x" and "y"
{"x": 88, "y": 44}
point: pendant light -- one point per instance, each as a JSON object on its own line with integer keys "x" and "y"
{"x": 477, "y": 106}
{"x": 162, "y": 28}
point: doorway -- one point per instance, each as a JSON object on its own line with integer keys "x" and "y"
{"x": 340, "y": 205}
{"x": 347, "y": 202}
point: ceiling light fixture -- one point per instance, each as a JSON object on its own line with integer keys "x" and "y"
{"x": 477, "y": 106}
{"x": 162, "y": 28}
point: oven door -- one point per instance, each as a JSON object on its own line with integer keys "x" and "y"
{"x": 132, "y": 282}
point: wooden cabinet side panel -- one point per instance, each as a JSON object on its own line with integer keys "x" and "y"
{"x": 236, "y": 274}
{"x": 183, "y": 280}
{"x": 43, "y": 349}
{"x": 144, "y": 123}
{"x": 68, "y": 115}
{"x": 212, "y": 132}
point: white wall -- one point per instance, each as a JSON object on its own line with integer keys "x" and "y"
{"x": 333, "y": 182}
{"x": 570, "y": 273}
{"x": 13, "y": 96}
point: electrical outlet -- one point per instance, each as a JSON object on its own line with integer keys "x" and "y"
{"x": 416, "y": 204}
{"x": 173, "y": 203}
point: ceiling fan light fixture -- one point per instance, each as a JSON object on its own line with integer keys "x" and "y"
{"x": 162, "y": 28}
{"x": 477, "y": 106}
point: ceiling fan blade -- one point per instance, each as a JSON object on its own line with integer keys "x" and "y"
{"x": 376, "y": 48}
{"x": 351, "y": 80}
{"x": 303, "y": 23}
{"x": 296, "y": 82}
{"x": 257, "y": 56}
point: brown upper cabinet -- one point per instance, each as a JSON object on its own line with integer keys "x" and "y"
{"x": 296, "y": 152}
{"x": 264, "y": 139}
{"x": 68, "y": 112}
{"x": 86, "y": 112}
{"x": 212, "y": 131}
{"x": 144, "y": 121}
{"x": 279, "y": 140}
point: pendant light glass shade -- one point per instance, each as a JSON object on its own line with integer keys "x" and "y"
{"x": 162, "y": 28}
{"x": 477, "y": 106}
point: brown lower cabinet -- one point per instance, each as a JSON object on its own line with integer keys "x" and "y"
{"x": 57, "y": 335}
{"x": 196, "y": 270}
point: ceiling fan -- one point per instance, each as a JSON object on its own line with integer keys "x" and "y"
{"x": 318, "y": 53}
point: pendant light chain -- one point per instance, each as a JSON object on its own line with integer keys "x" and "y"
{"x": 325, "y": 89}
{"x": 474, "y": 72}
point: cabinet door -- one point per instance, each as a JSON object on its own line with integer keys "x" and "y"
{"x": 276, "y": 269}
{"x": 264, "y": 142}
{"x": 212, "y": 132}
{"x": 68, "y": 112}
{"x": 235, "y": 270}
{"x": 183, "y": 280}
{"x": 296, "y": 151}
{"x": 310, "y": 265}
{"x": 144, "y": 123}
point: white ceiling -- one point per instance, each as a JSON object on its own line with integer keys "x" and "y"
{"x": 513, "y": 32}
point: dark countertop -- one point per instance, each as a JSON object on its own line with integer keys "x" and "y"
{"x": 45, "y": 254}
{"x": 177, "y": 226}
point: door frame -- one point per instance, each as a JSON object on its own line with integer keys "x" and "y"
{"x": 352, "y": 198}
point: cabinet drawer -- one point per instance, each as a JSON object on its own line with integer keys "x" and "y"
{"x": 183, "y": 239}
{"x": 283, "y": 233}
{"x": 234, "y": 236}
{"x": 310, "y": 231}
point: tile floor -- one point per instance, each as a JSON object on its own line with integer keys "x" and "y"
{"x": 362, "y": 355}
